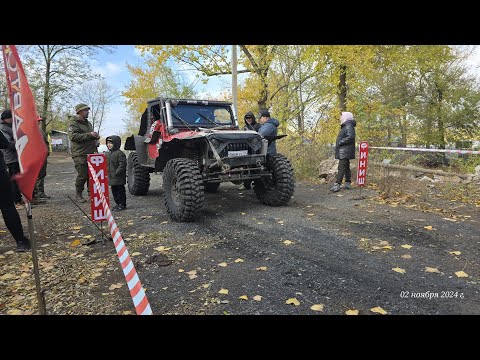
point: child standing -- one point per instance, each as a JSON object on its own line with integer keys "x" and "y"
{"x": 117, "y": 171}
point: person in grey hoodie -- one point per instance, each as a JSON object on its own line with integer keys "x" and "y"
{"x": 117, "y": 171}
{"x": 10, "y": 153}
{"x": 345, "y": 150}
{"x": 269, "y": 130}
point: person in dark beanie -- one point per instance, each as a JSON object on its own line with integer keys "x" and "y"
{"x": 345, "y": 150}
{"x": 117, "y": 171}
{"x": 250, "y": 122}
{"x": 269, "y": 130}
{"x": 84, "y": 142}
{"x": 10, "y": 153}
{"x": 7, "y": 206}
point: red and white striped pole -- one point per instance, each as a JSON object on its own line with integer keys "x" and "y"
{"x": 472, "y": 152}
{"x": 140, "y": 301}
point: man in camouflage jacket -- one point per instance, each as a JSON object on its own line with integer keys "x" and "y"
{"x": 84, "y": 141}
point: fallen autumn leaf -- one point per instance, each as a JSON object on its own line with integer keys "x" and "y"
{"x": 461, "y": 274}
{"x": 351, "y": 312}
{"x": 115, "y": 286}
{"x": 75, "y": 243}
{"x": 162, "y": 248}
{"x": 378, "y": 310}
{"x": 317, "y": 307}
{"x": 293, "y": 301}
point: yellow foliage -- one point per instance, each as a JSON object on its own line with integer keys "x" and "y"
{"x": 352, "y": 312}
{"x": 378, "y": 310}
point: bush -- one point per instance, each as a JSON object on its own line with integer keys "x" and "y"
{"x": 305, "y": 156}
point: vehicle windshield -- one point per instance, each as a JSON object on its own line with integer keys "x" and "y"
{"x": 200, "y": 115}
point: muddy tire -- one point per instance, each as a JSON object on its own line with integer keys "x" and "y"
{"x": 211, "y": 187}
{"x": 184, "y": 191}
{"x": 278, "y": 190}
{"x": 138, "y": 177}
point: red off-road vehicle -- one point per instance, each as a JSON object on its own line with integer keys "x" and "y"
{"x": 197, "y": 145}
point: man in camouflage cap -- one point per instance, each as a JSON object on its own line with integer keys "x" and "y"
{"x": 84, "y": 141}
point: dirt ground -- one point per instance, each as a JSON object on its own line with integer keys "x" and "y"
{"x": 324, "y": 253}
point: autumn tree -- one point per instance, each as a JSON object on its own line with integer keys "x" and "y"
{"x": 448, "y": 100}
{"x": 149, "y": 80}
{"x": 214, "y": 60}
{"x": 130, "y": 123}
{"x": 99, "y": 96}
{"x": 411, "y": 92}
{"x": 298, "y": 84}
{"x": 56, "y": 69}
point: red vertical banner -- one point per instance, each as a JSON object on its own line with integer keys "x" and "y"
{"x": 29, "y": 143}
{"x": 362, "y": 163}
{"x": 99, "y": 164}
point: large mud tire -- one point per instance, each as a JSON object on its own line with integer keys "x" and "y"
{"x": 279, "y": 190}
{"x": 138, "y": 177}
{"x": 184, "y": 191}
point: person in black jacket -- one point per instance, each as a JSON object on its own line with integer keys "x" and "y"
{"x": 117, "y": 171}
{"x": 345, "y": 150}
{"x": 250, "y": 122}
{"x": 7, "y": 205}
{"x": 10, "y": 153}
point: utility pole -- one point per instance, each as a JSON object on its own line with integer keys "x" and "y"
{"x": 234, "y": 77}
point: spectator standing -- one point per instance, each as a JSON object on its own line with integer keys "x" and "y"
{"x": 117, "y": 171}
{"x": 269, "y": 130}
{"x": 250, "y": 122}
{"x": 345, "y": 150}
{"x": 7, "y": 206}
{"x": 39, "y": 190}
{"x": 10, "y": 153}
{"x": 84, "y": 141}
